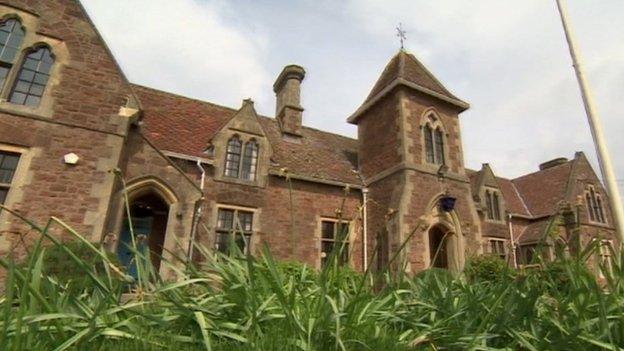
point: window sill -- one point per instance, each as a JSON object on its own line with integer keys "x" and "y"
{"x": 258, "y": 183}
{"x": 26, "y": 111}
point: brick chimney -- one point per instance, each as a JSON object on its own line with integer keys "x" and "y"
{"x": 288, "y": 110}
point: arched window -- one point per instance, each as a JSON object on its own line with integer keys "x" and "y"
{"x": 250, "y": 160}
{"x": 488, "y": 204}
{"x": 11, "y": 36}
{"x": 496, "y": 206}
{"x": 439, "y": 146}
{"x": 233, "y": 157}
{"x": 434, "y": 144}
{"x": 429, "y": 144}
{"x": 32, "y": 77}
{"x": 600, "y": 210}
{"x": 594, "y": 206}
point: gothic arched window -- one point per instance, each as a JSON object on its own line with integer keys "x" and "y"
{"x": 439, "y": 146}
{"x": 434, "y": 143}
{"x": 429, "y": 144}
{"x": 233, "y": 157}
{"x": 250, "y": 160}
{"x": 594, "y": 206}
{"x": 488, "y": 204}
{"x": 11, "y": 36}
{"x": 496, "y": 207}
{"x": 32, "y": 77}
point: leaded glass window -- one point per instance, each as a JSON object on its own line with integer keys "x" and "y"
{"x": 250, "y": 160}
{"x": 233, "y": 224}
{"x": 32, "y": 78}
{"x": 233, "y": 157}
{"x": 11, "y": 36}
{"x": 429, "y": 144}
{"x": 8, "y": 165}
{"x": 334, "y": 236}
{"x": 439, "y": 146}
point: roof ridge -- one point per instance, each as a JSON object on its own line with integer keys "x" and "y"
{"x": 430, "y": 74}
{"x": 182, "y": 96}
{"x": 234, "y": 110}
{"x": 540, "y": 171}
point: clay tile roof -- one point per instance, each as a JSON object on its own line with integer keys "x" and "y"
{"x": 543, "y": 190}
{"x": 534, "y": 232}
{"x": 184, "y": 125}
{"x": 406, "y": 66}
{"x": 513, "y": 201}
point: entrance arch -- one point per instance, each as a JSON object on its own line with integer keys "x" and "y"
{"x": 150, "y": 205}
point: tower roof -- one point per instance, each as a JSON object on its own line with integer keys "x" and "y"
{"x": 405, "y": 69}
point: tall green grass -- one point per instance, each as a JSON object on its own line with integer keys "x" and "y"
{"x": 242, "y": 302}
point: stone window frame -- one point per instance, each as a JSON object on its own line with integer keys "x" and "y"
{"x": 251, "y": 244}
{"x": 20, "y": 179}
{"x": 490, "y": 247}
{"x": 245, "y": 139}
{"x": 349, "y": 239}
{"x": 32, "y": 39}
{"x": 432, "y": 120}
{"x": 604, "y": 255}
{"x": 594, "y": 205}
{"x": 494, "y": 210}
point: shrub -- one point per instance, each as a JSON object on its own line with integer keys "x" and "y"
{"x": 57, "y": 264}
{"x": 488, "y": 268}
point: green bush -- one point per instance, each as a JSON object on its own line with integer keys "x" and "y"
{"x": 58, "y": 265}
{"x": 489, "y": 268}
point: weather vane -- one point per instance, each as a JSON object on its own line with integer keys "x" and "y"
{"x": 401, "y": 34}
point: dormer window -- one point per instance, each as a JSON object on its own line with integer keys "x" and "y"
{"x": 595, "y": 208}
{"x": 241, "y": 162}
{"x": 433, "y": 136}
{"x": 492, "y": 204}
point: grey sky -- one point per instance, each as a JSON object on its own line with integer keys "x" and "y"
{"x": 508, "y": 59}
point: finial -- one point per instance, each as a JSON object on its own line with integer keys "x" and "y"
{"x": 401, "y": 34}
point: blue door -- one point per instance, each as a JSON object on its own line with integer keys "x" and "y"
{"x": 142, "y": 229}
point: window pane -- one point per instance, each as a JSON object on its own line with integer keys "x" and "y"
{"x": 496, "y": 207}
{"x": 225, "y": 219}
{"x": 32, "y": 100}
{"x": 18, "y": 98}
{"x": 327, "y": 230}
{"x": 222, "y": 242}
{"x": 245, "y": 219}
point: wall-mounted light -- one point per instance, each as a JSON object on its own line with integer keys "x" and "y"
{"x": 447, "y": 203}
{"x": 71, "y": 158}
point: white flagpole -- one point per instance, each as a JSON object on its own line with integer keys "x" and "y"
{"x": 606, "y": 167}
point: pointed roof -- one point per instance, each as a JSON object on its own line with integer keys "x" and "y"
{"x": 405, "y": 69}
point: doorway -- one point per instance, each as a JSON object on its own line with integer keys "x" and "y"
{"x": 148, "y": 215}
{"x": 438, "y": 248}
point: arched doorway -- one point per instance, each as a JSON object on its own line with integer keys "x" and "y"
{"x": 149, "y": 213}
{"x": 438, "y": 248}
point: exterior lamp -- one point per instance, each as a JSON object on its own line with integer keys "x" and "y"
{"x": 447, "y": 203}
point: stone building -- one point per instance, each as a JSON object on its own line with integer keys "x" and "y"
{"x": 77, "y": 139}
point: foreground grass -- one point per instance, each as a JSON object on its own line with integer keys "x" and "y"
{"x": 244, "y": 303}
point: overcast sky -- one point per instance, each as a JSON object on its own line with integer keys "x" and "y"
{"x": 508, "y": 59}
